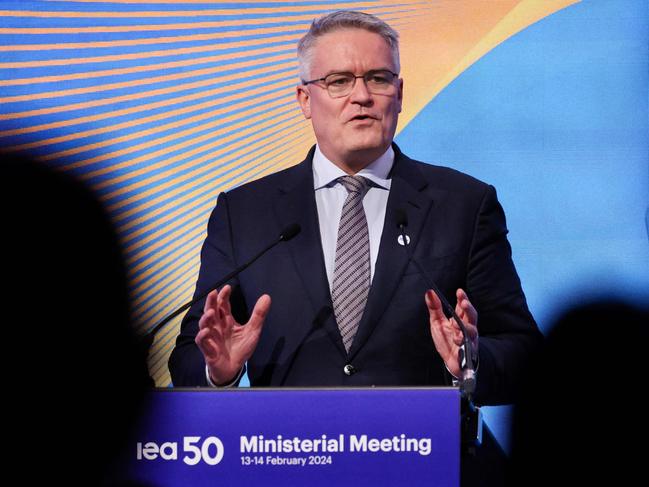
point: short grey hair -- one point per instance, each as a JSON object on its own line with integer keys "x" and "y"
{"x": 339, "y": 20}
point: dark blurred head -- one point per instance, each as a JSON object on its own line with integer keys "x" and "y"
{"x": 75, "y": 374}
{"x": 582, "y": 416}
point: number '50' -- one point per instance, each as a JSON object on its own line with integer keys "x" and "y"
{"x": 195, "y": 452}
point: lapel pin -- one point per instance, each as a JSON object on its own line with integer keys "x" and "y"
{"x": 400, "y": 240}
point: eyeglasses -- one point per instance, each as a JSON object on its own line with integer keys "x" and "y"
{"x": 378, "y": 82}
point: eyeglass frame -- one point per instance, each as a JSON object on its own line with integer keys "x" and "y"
{"x": 314, "y": 81}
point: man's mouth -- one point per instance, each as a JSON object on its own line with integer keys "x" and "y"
{"x": 361, "y": 117}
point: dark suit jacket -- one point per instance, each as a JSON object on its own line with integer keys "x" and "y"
{"x": 458, "y": 233}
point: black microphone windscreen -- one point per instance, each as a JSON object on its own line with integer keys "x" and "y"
{"x": 289, "y": 232}
{"x": 401, "y": 218}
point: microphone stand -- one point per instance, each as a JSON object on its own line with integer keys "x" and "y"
{"x": 471, "y": 416}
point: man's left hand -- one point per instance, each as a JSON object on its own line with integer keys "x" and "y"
{"x": 447, "y": 335}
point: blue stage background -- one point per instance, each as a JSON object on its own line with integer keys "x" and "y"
{"x": 556, "y": 119}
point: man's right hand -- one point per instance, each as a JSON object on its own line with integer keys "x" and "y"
{"x": 226, "y": 345}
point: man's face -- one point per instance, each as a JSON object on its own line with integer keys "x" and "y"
{"x": 356, "y": 129}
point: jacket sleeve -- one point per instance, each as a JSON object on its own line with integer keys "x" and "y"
{"x": 508, "y": 333}
{"x": 186, "y": 362}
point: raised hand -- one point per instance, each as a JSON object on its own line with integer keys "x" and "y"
{"x": 225, "y": 344}
{"x": 447, "y": 335}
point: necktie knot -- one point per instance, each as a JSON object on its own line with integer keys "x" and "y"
{"x": 354, "y": 184}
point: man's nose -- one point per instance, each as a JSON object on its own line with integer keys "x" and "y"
{"x": 360, "y": 94}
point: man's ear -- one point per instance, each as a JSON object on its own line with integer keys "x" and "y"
{"x": 304, "y": 99}
{"x": 400, "y": 93}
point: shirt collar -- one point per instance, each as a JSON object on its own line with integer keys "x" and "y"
{"x": 326, "y": 172}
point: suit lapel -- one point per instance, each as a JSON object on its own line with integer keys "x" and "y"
{"x": 406, "y": 193}
{"x": 296, "y": 204}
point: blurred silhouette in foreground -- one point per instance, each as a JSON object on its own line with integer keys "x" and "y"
{"x": 75, "y": 377}
{"x": 581, "y": 420}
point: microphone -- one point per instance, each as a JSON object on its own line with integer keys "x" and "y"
{"x": 467, "y": 382}
{"x": 287, "y": 234}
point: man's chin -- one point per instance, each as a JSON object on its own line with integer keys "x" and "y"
{"x": 368, "y": 148}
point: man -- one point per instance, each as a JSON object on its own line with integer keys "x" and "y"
{"x": 349, "y": 308}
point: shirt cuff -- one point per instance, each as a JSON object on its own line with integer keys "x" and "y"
{"x": 224, "y": 386}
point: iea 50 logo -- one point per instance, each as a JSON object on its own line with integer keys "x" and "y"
{"x": 195, "y": 450}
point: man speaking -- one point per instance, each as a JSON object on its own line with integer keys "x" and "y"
{"x": 343, "y": 303}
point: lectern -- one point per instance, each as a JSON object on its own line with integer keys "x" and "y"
{"x": 299, "y": 437}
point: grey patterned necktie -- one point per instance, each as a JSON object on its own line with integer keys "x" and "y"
{"x": 351, "y": 283}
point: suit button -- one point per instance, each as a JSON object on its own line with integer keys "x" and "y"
{"x": 349, "y": 369}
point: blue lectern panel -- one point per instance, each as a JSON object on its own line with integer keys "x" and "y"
{"x": 366, "y": 437}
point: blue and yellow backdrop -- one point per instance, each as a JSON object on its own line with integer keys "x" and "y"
{"x": 159, "y": 105}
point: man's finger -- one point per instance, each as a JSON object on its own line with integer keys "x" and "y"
{"x": 209, "y": 327}
{"x": 221, "y": 300}
{"x": 208, "y": 320}
{"x": 259, "y": 312}
{"x": 467, "y": 312}
{"x": 434, "y": 307}
{"x": 224, "y": 299}
{"x": 210, "y": 302}
{"x": 458, "y": 337}
{"x": 472, "y": 331}
{"x": 206, "y": 344}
